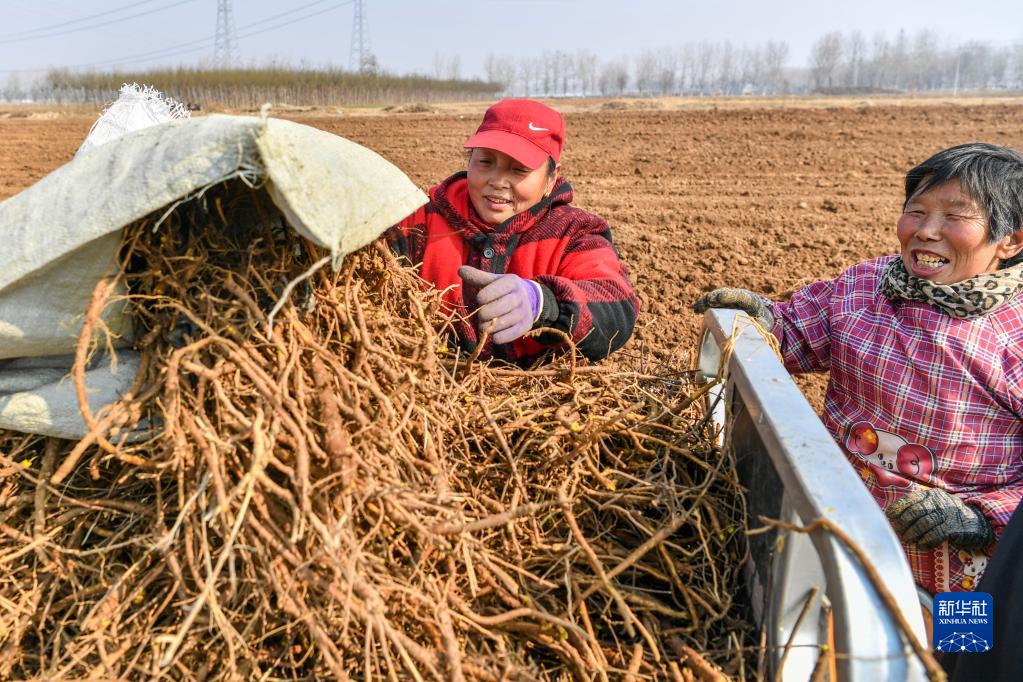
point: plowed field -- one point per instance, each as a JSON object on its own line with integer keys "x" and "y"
{"x": 750, "y": 194}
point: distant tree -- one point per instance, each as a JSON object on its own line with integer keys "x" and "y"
{"x": 622, "y": 76}
{"x": 500, "y": 69}
{"x": 586, "y": 72}
{"x": 505, "y": 72}
{"x": 825, "y": 55}
{"x": 646, "y": 72}
{"x": 529, "y": 70}
{"x": 706, "y": 55}
{"x": 12, "y": 92}
{"x": 566, "y": 72}
{"x": 454, "y": 71}
{"x": 547, "y": 73}
{"x": 923, "y": 71}
{"x": 667, "y": 72}
{"x": 686, "y": 68}
{"x": 439, "y": 64}
{"x": 726, "y": 71}
{"x": 550, "y": 72}
{"x": 898, "y": 65}
{"x": 874, "y": 72}
{"x": 614, "y": 78}
{"x": 445, "y": 67}
{"x": 776, "y": 53}
{"x": 1016, "y": 67}
{"x": 997, "y": 67}
{"x": 751, "y": 69}
{"x": 974, "y": 65}
{"x": 856, "y": 51}
{"x": 490, "y": 67}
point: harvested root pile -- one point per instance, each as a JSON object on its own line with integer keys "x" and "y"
{"x": 347, "y": 499}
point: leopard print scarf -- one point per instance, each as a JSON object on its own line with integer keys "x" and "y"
{"x": 963, "y": 300}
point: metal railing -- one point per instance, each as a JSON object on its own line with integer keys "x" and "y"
{"x": 804, "y": 587}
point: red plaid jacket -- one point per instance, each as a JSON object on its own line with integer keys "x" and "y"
{"x": 916, "y": 398}
{"x": 586, "y": 289}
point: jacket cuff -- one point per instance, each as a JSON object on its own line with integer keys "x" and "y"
{"x": 539, "y": 299}
{"x": 549, "y": 309}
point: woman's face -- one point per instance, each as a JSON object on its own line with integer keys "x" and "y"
{"x": 501, "y": 187}
{"x": 945, "y": 238}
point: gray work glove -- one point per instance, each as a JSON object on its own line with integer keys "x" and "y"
{"x": 739, "y": 299}
{"x": 928, "y": 517}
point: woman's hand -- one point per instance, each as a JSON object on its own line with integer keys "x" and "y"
{"x": 928, "y": 517}
{"x": 509, "y": 304}
{"x": 738, "y": 299}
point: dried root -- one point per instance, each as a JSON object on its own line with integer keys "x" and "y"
{"x": 350, "y": 499}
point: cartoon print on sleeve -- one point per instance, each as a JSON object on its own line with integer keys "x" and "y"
{"x": 973, "y": 567}
{"x": 888, "y": 455}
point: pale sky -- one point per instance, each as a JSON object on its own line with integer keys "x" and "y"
{"x": 407, "y": 35}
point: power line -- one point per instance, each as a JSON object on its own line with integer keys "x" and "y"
{"x": 99, "y": 25}
{"x": 274, "y": 17}
{"x": 206, "y": 41}
{"x": 43, "y": 29}
{"x": 202, "y": 43}
{"x": 293, "y": 21}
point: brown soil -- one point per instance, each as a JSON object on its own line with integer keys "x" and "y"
{"x": 765, "y": 195}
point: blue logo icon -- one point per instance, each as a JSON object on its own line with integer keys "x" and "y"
{"x": 964, "y": 621}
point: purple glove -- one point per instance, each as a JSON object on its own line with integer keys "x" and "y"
{"x": 507, "y": 302}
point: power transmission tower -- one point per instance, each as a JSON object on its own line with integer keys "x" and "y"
{"x": 360, "y": 59}
{"x": 225, "y": 48}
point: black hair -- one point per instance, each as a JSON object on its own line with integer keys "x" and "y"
{"x": 991, "y": 175}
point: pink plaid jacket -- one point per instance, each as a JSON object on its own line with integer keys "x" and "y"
{"x": 916, "y": 398}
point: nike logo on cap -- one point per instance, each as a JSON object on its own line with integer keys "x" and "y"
{"x": 535, "y": 129}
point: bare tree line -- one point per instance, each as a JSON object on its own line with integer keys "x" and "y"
{"x": 838, "y": 61}
{"x": 250, "y": 88}
{"x": 922, "y": 62}
{"x": 696, "y": 69}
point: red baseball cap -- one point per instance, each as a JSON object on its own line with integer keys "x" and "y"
{"x": 524, "y": 129}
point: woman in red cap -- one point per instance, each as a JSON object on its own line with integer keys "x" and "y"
{"x": 510, "y": 252}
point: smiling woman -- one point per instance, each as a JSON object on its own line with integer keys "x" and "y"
{"x": 925, "y": 393}
{"x": 505, "y": 246}
{"x": 945, "y": 237}
{"x": 947, "y": 231}
{"x": 500, "y": 187}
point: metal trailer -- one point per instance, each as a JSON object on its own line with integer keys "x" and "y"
{"x": 795, "y": 472}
